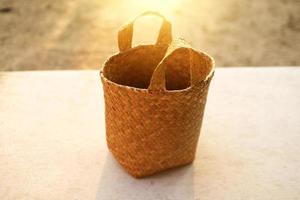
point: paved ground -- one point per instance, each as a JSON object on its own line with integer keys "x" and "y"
{"x": 69, "y": 34}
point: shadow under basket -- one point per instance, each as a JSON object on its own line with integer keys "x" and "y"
{"x": 154, "y": 102}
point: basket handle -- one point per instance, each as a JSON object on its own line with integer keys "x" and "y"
{"x": 125, "y": 34}
{"x": 158, "y": 79}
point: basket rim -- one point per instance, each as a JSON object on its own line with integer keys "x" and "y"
{"x": 204, "y": 81}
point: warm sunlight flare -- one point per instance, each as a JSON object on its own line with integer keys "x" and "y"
{"x": 146, "y": 28}
{"x": 166, "y": 7}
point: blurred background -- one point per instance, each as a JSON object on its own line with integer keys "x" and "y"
{"x": 81, "y": 34}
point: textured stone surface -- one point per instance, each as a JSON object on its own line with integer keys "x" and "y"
{"x": 55, "y": 34}
{"x": 52, "y": 143}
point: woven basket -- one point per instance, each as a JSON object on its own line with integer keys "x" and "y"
{"x": 154, "y": 101}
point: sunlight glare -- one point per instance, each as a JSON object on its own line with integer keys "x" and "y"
{"x": 166, "y": 7}
{"x": 146, "y": 29}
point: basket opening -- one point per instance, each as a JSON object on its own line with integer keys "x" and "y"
{"x": 135, "y": 67}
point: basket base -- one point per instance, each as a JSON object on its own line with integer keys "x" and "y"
{"x": 143, "y": 173}
{"x": 140, "y": 176}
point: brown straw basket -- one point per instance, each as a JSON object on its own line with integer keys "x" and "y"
{"x": 154, "y": 101}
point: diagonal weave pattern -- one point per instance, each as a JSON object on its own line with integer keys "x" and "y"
{"x": 151, "y": 132}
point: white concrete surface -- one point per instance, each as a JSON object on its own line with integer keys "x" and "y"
{"x": 52, "y": 140}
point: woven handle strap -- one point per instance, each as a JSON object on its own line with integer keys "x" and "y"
{"x": 158, "y": 79}
{"x": 125, "y": 34}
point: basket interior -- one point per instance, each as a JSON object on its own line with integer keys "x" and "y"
{"x": 135, "y": 67}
